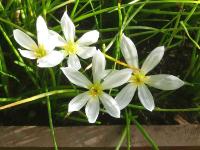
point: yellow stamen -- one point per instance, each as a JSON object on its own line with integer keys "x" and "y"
{"x": 40, "y": 52}
{"x": 95, "y": 89}
{"x": 70, "y": 47}
{"x": 139, "y": 78}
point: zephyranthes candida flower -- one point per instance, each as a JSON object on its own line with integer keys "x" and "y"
{"x": 140, "y": 79}
{"x": 102, "y": 80}
{"x": 43, "y": 51}
{"x": 72, "y": 48}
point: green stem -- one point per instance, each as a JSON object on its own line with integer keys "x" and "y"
{"x": 145, "y": 134}
{"x": 120, "y": 62}
{"x": 36, "y": 97}
{"x": 191, "y": 13}
{"x": 128, "y": 130}
{"x": 16, "y": 26}
{"x": 121, "y": 139}
{"x": 133, "y": 15}
{"x": 52, "y": 74}
{"x": 117, "y": 51}
{"x": 49, "y": 109}
{"x": 81, "y": 9}
{"x": 165, "y": 109}
{"x": 51, "y": 123}
{"x": 176, "y": 26}
{"x": 44, "y": 11}
{"x": 186, "y": 31}
{"x": 74, "y": 9}
{"x": 95, "y": 17}
{"x": 11, "y": 45}
{"x": 60, "y": 5}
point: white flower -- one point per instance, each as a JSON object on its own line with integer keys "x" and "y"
{"x": 102, "y": 80}
{"x": 139, "y": 78}
{"x": 44, "y": 52}
{"x": 71, "y": 48}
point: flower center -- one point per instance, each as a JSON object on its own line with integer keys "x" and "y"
{"x": 139, "y": 78}
{"x": 40, "y": 52}
{"x": 95, "y": 89}
{"x": 70, "y": 47}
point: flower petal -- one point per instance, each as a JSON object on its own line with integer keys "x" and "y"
{"x": 98, "y": 66}
{"x": 153, "y": 59}
{"x": 68, "y": 27}
{"x": 51, "y": 60}
{"x": 92, "y": 109}
{"x": 42, "y": 32}
{"x": 116, "y": 78}
{"x": 24, "y": 40}
{"x": 129, "y": 51}
{"x": 125, "y": 96}
{"x": 89, "y": 38}
{"x": 86, "y": 52}
{"x": 56, "y": 38}
{"x": 108, "y": 72}
{"x": 146, "y": 97}
{"x": 110, "y": 105}
{"x": 165, "y": 82}
{"x": 74, "y": 62}
{"x": 27, "y": 54}
{"x": 76, "y": 77}
{"x": 78, "y": 102}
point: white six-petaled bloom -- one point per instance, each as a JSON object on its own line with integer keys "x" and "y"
{"x": 139, "y": 77}
{"x": 102, "y": 80}
{"x": 44, "y": 52}
{"x": 71, "y": 48}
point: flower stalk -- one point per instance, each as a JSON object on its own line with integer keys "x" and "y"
{"x": 36, "y": 97}
{"x": 121, "y": 63}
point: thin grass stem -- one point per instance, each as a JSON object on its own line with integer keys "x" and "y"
{"x": 145, "y": 134}
{"x": 36, "y": 97}
{"x": 121, "y": 139}
{"x": 166, "y": 109}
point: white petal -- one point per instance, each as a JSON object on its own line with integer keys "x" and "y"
{"x": 153, "y": 59}
{"x": 108, "y": 72}
{"x": 92, "y": 109}
{"x": 56, "y": 38}
{"x": 27, "y": 54}
{"x": 24, "y": 40}
{"x": 86, "y": 52}
{"x": 76, "y": 77}
{"x": 110, "y": 105}
{"x": 125, "y": 96}
{"x": 146, "y": 97}
{"x": 165, "y": 82}
{"x": 116, "y": 78}
{"x": 51, "y": 60}
{"x": 78, "y": 102}
{"x": 89, "y": 38}
{"x": 74, "y": 62}
{"x": 98, "y": 66}
{"x": 129, "y": 51}
{"x": 68, "y": 27}
{"x": 42, "y": 32}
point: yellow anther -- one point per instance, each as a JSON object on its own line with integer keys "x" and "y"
{"x": 70, "y": 47}
{"x": 40, "y": 52}
{"x": 95, "y": 89}
{"x": 139, "y": 78}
